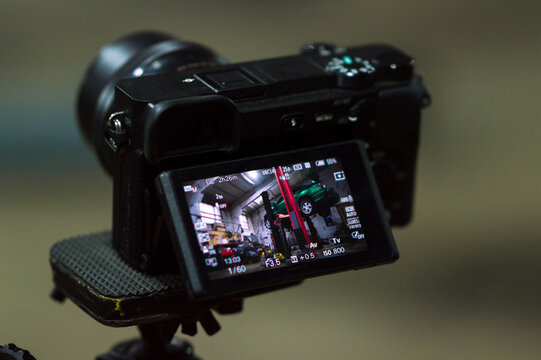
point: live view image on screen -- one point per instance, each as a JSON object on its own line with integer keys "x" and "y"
{"x": 275, "y": 217}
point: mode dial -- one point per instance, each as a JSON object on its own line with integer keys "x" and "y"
{"x": 352, "y": 72}
{"x": 319, "y": 48}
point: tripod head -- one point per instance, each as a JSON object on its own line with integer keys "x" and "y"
{"x": 88, "y": 271}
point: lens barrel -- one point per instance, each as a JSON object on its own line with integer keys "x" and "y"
{"x": 140, "y": 54}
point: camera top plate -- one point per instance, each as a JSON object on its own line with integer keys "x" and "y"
{"x": 354, "y": 68}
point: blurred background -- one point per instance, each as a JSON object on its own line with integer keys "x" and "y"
{"x": 467, "y": 285}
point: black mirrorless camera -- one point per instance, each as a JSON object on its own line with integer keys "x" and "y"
{"x": 244, "y": 177}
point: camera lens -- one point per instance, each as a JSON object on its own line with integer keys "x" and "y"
{"x": 136, "y": 55}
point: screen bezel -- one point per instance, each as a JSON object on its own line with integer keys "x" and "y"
{"x": 352, "y": 154}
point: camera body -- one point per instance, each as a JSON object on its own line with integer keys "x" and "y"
{"x": 206, "y": 113}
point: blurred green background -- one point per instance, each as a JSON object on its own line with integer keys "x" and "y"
{"x": 467, "y": 285}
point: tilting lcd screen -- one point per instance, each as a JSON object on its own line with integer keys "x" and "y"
{"x": 275, "y": 217}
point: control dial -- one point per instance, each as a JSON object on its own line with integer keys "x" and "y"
{"x": 352, "y": 72}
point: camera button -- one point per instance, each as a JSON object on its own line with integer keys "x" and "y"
{"x": 293, "y": 121}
